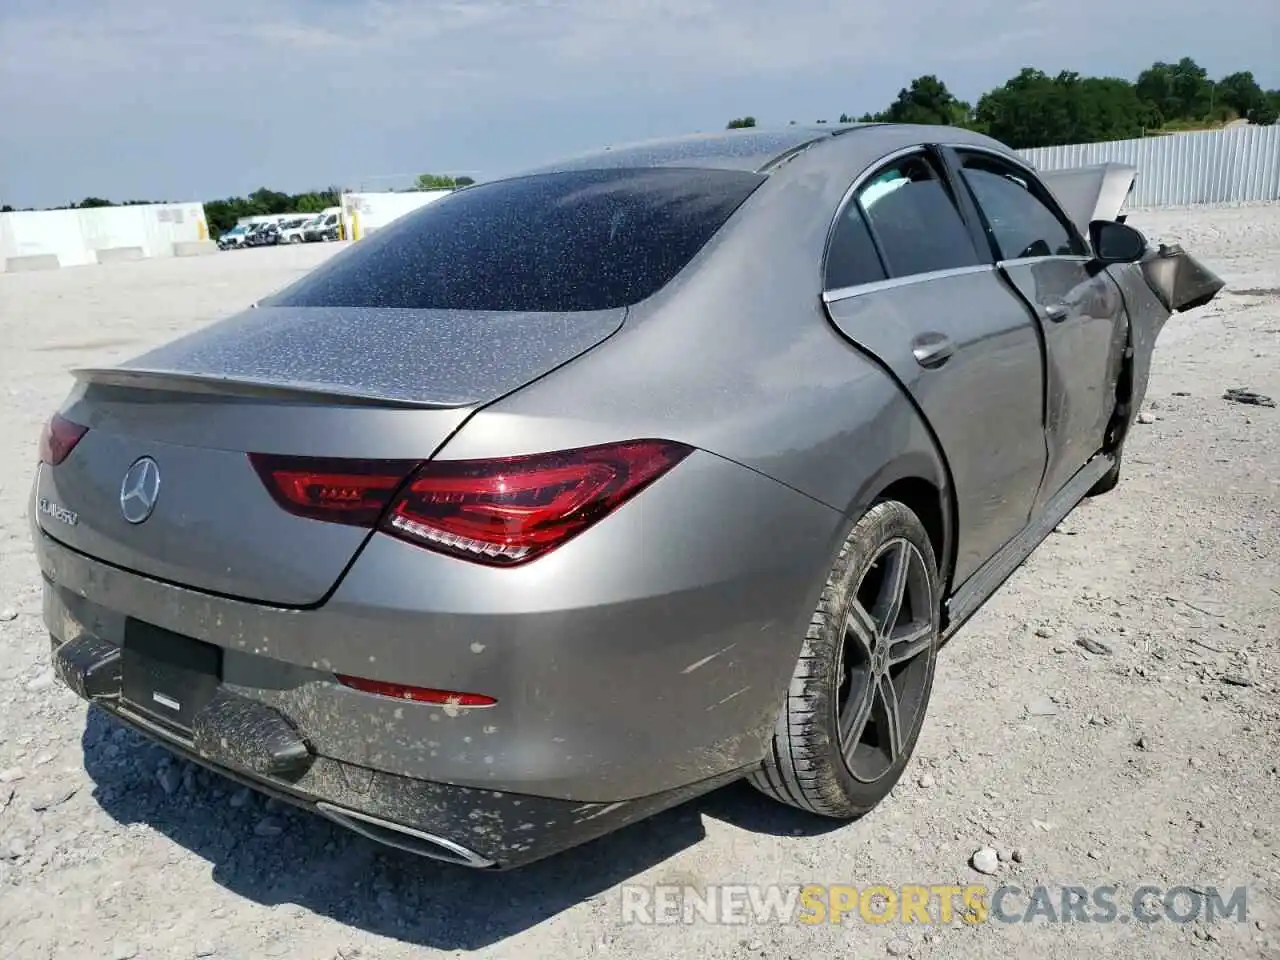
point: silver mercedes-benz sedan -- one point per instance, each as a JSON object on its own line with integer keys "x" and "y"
{"x": 579, "y": 493}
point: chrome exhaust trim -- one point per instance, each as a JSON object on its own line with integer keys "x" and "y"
{"x": 404, "y": 838}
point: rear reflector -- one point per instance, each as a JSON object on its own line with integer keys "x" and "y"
{"x": 401, "y": 691}
{"x": 58, "y": 438}
{"x": 498, "y": 512}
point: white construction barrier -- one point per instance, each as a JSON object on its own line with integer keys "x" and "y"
{"x": 42, "y": 239}
{"x": 363, "y": 213}
{"x": 194, "y": 248}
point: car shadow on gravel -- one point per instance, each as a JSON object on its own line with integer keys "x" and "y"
{"x": 272, "y": 854}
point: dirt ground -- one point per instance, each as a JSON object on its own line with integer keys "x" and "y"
{"x": 1109, "y": 719}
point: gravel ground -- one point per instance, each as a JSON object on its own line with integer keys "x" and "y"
{"x": 1108, "y": 719}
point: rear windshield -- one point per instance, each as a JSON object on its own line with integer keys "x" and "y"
{"x": 585, "y": 240}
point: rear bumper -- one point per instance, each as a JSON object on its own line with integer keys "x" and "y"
{"x": 634, "y": 668}
{"x": 642, "y": 657}
{"x": 255, "y": 745}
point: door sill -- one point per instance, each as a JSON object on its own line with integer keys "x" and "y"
{"x": 983, "y": 584}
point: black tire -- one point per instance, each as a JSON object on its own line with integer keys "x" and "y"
{"x": 806, "y": 766}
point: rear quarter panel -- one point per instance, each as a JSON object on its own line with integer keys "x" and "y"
{"x": 739, "y": 359}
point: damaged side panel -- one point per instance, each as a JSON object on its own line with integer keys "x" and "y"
{"x": 1167, "y": 281}
{"x": 1180, "y": 280}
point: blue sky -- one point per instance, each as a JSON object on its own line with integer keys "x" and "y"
{"x": 198, "y": 99}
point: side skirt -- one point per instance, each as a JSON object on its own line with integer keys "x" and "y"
{"x": 980, "y": 587}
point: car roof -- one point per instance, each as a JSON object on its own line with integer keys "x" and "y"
{"x": 750, "y": 149}
{"x": 763, "y": 151}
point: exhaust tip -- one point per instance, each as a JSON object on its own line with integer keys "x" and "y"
{"x": 404, "y": 838}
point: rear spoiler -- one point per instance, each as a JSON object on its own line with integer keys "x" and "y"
{"x": 1096, "y": 192}
{"x": 175, "y": 381}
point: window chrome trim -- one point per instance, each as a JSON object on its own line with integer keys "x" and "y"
{"x": 861, "y": 289}
{"x": 1011, "y": 158}
{"x": 849, "y": 196}
{"x": 861, "y": 179}
{"x": 1023, "y": 261}
{"x": 1016, "y": 161}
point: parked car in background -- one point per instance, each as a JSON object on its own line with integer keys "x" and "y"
{"x": 325, "y": 227}
{"x": 291, "y": 231}
{"x": 233, "y": 238}
{"x": 262, "y": 235}
{"x": 311, "y": 228}
{"x": 431, "y": 559}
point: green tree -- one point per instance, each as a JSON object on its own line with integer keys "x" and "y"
{"x": 1155, "y": 87}
{"x": 1193, "y": 89}
{"x": 1035, "y": 110}
{"x": 1269, "y": 111}
{"x": 740, "y": 123}
{"x": 434, "y": 181}
{"x": 1180, "y": 91}
{"x": 927, "y": 100}
{"x": 1241, "y": 93}
{"x": 271, "y": 201}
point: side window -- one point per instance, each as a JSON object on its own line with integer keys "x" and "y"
{"x": 1021, "y": 218}
{"x": 913, "y": 216}
{"x": 852, "y": 258}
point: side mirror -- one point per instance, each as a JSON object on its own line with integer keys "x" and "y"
{"x": 1115, "y": 242}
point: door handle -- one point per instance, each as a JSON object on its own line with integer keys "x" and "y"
{"x": 1056, "y": 312}
{"x": 932, "y": 349}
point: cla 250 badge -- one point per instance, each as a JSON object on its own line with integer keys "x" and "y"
{"x": 61, "y": 514}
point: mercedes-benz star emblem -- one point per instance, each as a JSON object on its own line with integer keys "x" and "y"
{"x": 140, "y": 490}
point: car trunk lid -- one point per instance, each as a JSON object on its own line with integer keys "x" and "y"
{"x": 317, "y": 382}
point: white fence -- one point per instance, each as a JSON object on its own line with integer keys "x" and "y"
{"x": 1238, "y": 164}
{"x": 39, "y": 239}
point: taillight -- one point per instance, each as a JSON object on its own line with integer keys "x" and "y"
{"x": 354, "y": 492}
{"x": 58, "y": 438}
{"x": 509, "y": 511}
{"x": 402, "y": 691}
{"x": 499, "y": 512}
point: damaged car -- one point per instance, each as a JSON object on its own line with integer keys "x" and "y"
{"x": 577, "y": 494}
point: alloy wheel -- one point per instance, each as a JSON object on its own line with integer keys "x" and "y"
{"x": 888, "y": 644}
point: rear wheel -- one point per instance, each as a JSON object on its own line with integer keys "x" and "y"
{"x": 861, "y": 688}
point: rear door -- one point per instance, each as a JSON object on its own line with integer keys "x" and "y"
{"x": 1079, "y": 309}
{"x": 909, "y": 282}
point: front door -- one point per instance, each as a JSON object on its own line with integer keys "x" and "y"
{"x": 1079, "y": 309}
